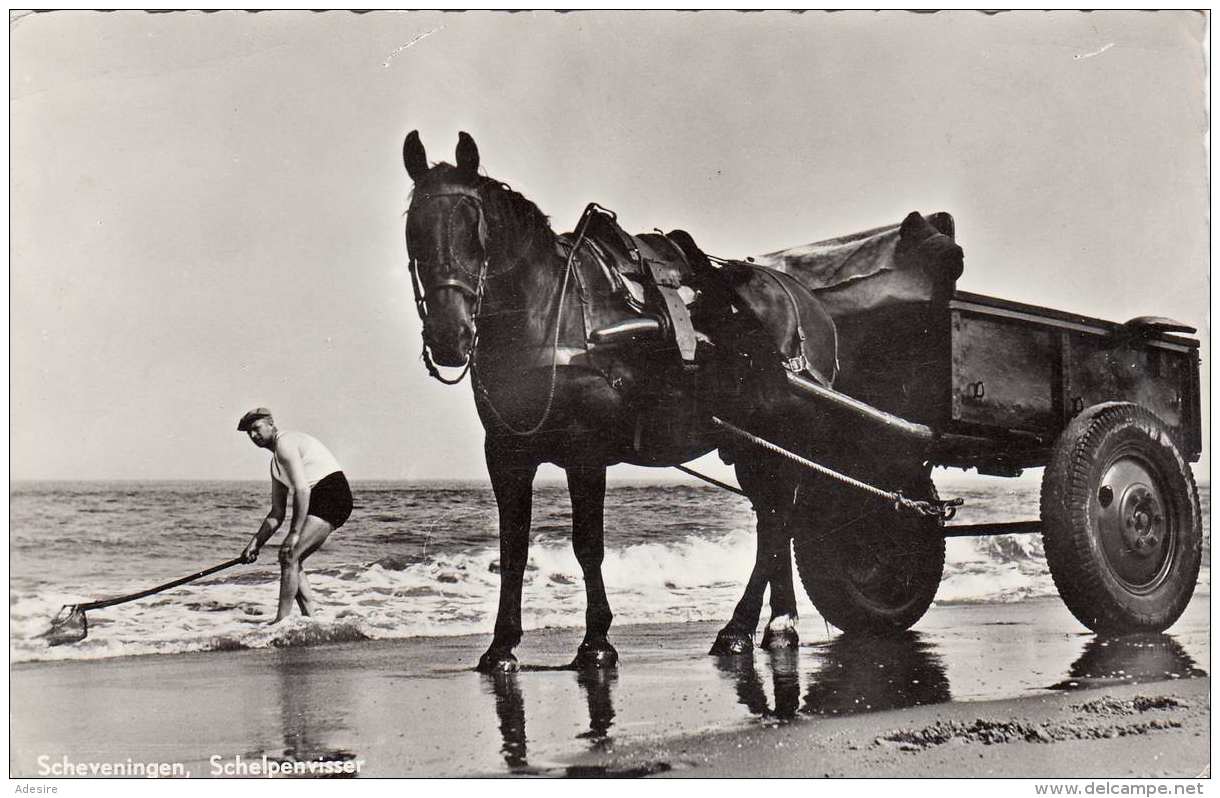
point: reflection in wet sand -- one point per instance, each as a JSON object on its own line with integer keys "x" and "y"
{"x": 598, "y": 687}
{"x": 510, "y": 710}
{"x": 785, "y": 682}
{"x": 1130, "y": 659}
{"x": 304, "y": 693}
{"x": 849, "y": 674}
{"x": 867, "y": 673}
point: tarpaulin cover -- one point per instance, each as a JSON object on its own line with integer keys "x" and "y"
{"x": 910, "y": 262}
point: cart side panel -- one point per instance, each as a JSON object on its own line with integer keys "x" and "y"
{"x": 1005, "y": 373}
{"x": 894, "y": 360}
{"x": 1150, "y": 377}
{"x": 1027, "y": 370}
{"x": 1157, "y": 376}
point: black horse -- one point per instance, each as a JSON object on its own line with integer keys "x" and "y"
{"x": 498, "y": 296}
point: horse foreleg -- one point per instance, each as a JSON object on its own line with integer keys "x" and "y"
{"x": 513, "y": 484}
{"x": 587, "y": 487}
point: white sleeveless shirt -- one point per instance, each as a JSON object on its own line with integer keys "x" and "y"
{"x": 317, "y": 459}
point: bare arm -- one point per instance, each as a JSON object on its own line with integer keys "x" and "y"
{"x": 279, "y": 503}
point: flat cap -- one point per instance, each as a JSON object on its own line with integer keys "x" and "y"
{"x": 249, "y": 418}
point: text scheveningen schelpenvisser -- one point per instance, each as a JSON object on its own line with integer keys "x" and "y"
{"x": 232, "y": 766}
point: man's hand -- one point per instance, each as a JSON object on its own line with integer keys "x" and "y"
{"x": 250, "y": 553}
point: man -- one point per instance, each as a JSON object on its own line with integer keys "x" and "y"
{"x": 321, "y": 503}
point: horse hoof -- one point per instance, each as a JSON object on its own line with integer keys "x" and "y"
{"x": 780, "y": 639}
{"x": 781, "y": 633}
{"x": 598, "y": 655}
{"x": 731, "y": 644}
{"x": 497, "y": 662}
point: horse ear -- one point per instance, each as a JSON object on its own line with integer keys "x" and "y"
{"x": 467, "y": 154}
{"x": 413, "y": 156}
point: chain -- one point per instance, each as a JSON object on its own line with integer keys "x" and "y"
{"x": 942, "y": 511}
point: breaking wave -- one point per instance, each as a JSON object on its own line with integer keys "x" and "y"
{"x": 693, "y": 570}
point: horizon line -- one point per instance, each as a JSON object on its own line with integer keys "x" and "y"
{"x": 675, "y": 480}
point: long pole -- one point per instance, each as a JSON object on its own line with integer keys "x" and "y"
{"x": 94, "y": 605}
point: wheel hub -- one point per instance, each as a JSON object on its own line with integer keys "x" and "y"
{"x": 1142, "y": 519}
{"x": 1131, "y": 520}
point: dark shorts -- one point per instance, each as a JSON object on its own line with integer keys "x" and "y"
{"x": 331, "y": 499}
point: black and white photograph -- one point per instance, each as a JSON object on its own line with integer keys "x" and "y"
{"x": 680, "y": 394}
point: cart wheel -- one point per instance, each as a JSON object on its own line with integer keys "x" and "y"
{"x": 868, "y": 568}
{"x": 1120, "y": 521}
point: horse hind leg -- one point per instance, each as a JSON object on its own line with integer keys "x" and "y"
{"x": 772, "y": 489}
{"x": 780, "y": 632}
{"x": 587, "y": 488}
{"x": 737, "y": 636}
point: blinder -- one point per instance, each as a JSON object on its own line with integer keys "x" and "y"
{"x": 451, "y": 272}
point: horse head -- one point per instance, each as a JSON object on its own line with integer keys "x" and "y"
{"x": 465, "y": 231}
{"x": 447, "y": 243}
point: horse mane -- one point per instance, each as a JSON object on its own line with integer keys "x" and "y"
{"x": 507, "y": 210}
{"x": 510, "y": 210}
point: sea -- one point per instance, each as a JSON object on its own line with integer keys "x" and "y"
{"x": 422, "y": 560}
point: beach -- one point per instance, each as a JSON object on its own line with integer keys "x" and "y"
{"x": 1016, "y": 689}
{"x": 341, "y": 215}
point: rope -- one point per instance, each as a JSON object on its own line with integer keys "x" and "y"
{"x": 709, "y": 480}
{"x": 940, "y": 510}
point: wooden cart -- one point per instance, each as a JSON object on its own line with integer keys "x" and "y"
{"x": 1111, "y": 410}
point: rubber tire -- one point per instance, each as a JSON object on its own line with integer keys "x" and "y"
{"x": 820, "y": 554}
{"x": 1092, "y": 442}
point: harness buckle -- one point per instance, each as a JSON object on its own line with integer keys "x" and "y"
{"x": 796, "y": 364}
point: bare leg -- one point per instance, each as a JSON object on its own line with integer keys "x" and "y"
{"x": 304, "y": 593}
{"x": 312, "y": 536}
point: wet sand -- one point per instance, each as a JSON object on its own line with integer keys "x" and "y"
{"x": 1015, "y": 689}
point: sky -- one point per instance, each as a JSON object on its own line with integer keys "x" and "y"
{"x": 206, "y": 210}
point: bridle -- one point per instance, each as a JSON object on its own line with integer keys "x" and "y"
{"x": 454, "y": 278}
{"x": 471, "y": 194}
